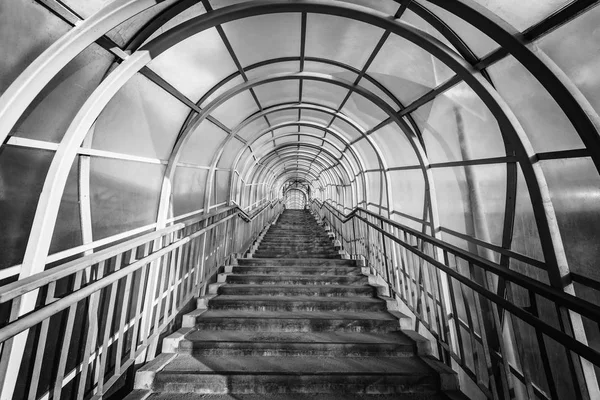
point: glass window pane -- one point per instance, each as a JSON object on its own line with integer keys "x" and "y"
{"x": 236, "y": 109}
{"x": 124, "y": 195}
{"x": 188, "y": 190}
{"x": 278, "y": 92}
{"x": 458, "y": 126}
{"x": 395, "y": 148}
{"x": 363, "y": 111}
{"x": 347, "y": 41}
{"x": 229, "y": 153}
{"x": 407, "y": 70}
{"x": 321, "y": 93}
{"x": 202, "y": 144}
{"x": 408, "y": 192}
{"x": 544, "y": 122}
{"x": 264, "y": 37}
{"x": 196, "y": 64}
{"x": 141, "y": 119}
{"x": 275, "y": 68}
{"x": 478, "y": 42}
{"x": 575, "y": 48}
{"x": 367, "y": 154}
{"x": 523, "y": 14}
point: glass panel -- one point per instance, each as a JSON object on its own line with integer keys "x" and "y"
{"x": 471, "y": 200}
{"x": 407, "y": 70}
{"x": 413, "y": 19}
{"x": 252, "y": 42}
{"x": 229, "y": 153}
{"x": 374, "y": 188}
{"x": 367, "y": 154}
{"x": 348, "y": 41}
{"x": 279, "y": 117}
{"x": 329, "y": 69}
{"x": 67, "y": 232}
{"x": 222, "y": 184}
{"x": 22, "y": 175}
{"x": 395, "y": 148}
{"x": 364, "y": 112}
{"x": 202, "y": 144}
{"x": 124, "y": 195}
{"x": 574, "y": 47}
{"x": 544, "y": 122}
{"x": 315, "y": 116}
{"x": 48, "y": 117}
{"x": 387, "y": 6}
{"x": 345, "y": 129}
{"x": 236, "y": 109}
{"x": 575, "y": 189}
{"x": 221, "y": 89}
{"x": 26, "y": 29}
{"x": 478, "y": 42}
{"x": 196, "y": 64}
{"x": 408, "y": 192}
{"x": 370, "y": 86}
{"x": 522, "y": 14}
{"x": 325, "y": 94}
{"x": 277, "y": 93}
{"x": 457, "y": 126}
{"x": 141, "y": 119}
{"x": 249, "y": 131}
{"x": 188, "y": 13}
{"x": 188, "y": 190}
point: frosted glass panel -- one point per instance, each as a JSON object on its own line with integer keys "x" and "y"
{"x": 202, "y": 144}
{"x": 48, "y": 117}
{"x": 544, "y": 122}
{"x": 348, "y": 41}
{"x": 478, "y": 42}
{"x": 196, "y": 64}
{"x": 364, "y": 112}
{"x": 575, "y": 190}
{"x": 124, "y": 195}
{"x": 574, "y": 47}
{"x": 323, "y": 94}
{"x": 22, "y": 175}
{"x": 277, "y": 93}
{"x": 407, "y": 70}
{"x": 523, "y": 14}
{"x": 141, "y": 119}
{"x": 252, "y": 42}
{"x": 67, "y": 231}
{"x": 236, "y": 109}
{"x": 458, "y": 126}
{"x": 249, "y": 131}
{"x": 229, "y": 153}
{"x": 188, "y": 190}
{"x": 408, "y": 192}
{"x": 395, "y": 147}
{"x": 283, "y": 116}
{"x": 367, "y": 154}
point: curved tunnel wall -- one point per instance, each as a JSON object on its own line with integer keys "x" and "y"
{"x": 475, "y": 122}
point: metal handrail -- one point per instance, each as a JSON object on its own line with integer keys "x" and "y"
{"x": 431, "y": 287}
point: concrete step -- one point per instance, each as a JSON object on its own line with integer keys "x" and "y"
{"x": 299, "y": 321}
{"x": 292, "y": 396}
{"x": 292, "y": 344}
{"x": 257, "y": 375}
{"x": 294, "y": 270}
{"x": 296, "y": 290}
{"x": 246, "y": 279}
{"x": 300, "y": 262}
{"x": 296, "y": 254}
{"x": 296, "y": 303}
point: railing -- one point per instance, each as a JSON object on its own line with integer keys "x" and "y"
{"x": 95, "y": 316}
{"x": 512, "y": 335}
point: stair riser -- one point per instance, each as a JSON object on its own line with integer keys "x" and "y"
{"x": 299, "y": 306}
{"x": 300, "y": 291}
{"x": 294, "y": 350}
{"x": 351, "y": 271}
{"x": 296, "y": 280}
{"x": 223, "y": 383}
{"x": 304, "y": 263}
{"x": 297, "y": 325}
{"x": 295, "y": 255}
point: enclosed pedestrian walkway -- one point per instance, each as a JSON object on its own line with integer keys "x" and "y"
{"x": 450, "y": 148}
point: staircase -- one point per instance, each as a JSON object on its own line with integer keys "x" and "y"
{"x": 295, "y": 321}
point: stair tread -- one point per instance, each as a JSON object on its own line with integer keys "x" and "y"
{"x": 299, "y": 337}
{"x": 230, "y": 297}
{"x": 261, "y": 365}
{"x": 326, "y": 315}
{"x": 283, "y": 287}
{"x": 292, "y": 396}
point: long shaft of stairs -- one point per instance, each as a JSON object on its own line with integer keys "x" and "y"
{"x": 295, "y": 321}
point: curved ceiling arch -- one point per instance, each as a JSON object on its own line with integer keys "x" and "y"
{"x": 534, "y": 175}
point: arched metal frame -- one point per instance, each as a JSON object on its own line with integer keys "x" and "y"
{"x": 575, "y": 106}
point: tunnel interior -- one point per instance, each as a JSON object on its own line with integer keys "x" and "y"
{"x": 471, "y": 122}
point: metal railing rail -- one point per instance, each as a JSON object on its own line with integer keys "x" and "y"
{"x": 498, "y": 324}
{"x": 96, "y": 315}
